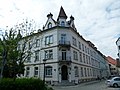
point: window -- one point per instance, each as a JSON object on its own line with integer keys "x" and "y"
{"x": 76, "y": 71}
{"x": 49, "y": 54}
{"x": 48, "y": 39}
{"x": 35, "y": 71}
{"x": 88, "y": 71}
{"x": 87, "y": 59}
{"x": 49, "y": 25}
{"x": 82, "y": 72}
{"x": 85, "y": 71}
{"x": 48, "y": 71}
{"x": 29, "y": 58}
{"x": 27, "y": 71}
{"x": 80, "y": 56}
{"x": 82, "y": 47}
{"x": 79, "y": 45}
{"x": 63, "y": 38}
{"x": 74, "y": 41}
{"x": 85, "y": 49}
{"x": 37, "y": 42}
{"x": 88, "y": 50}
{"x": 24, "y": 46}
{"x": 30, "y": 45}
{"x": 75, "y": 55}
{"x": 83, "y": 57}
{"x": 119, "y": 47}
{"x": 117, "y": 79}
{"x": 36, "y": 55}
{"x": 62, "y": 23}
{"x": 18, "y": 47}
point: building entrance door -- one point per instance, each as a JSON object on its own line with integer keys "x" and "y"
{"x": 64, "y": 70}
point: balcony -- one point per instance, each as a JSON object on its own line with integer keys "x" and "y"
{"x": 64, "y": 44}
{"x": 64, "y": 59}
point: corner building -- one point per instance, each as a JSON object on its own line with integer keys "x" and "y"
{"x": 69, "y": 57}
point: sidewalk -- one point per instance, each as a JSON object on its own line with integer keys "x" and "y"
{"x": 80, "y": 84}
{"x": 91, "y": 82}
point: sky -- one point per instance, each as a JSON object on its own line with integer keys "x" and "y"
{"x": 96, "y": 20}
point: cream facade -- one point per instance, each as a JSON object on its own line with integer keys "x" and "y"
{"x": 69, "y": 57}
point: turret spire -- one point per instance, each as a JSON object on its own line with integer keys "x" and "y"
{"x": 62, "y": 13}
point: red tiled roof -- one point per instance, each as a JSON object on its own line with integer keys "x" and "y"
{"x": 111, "y": 60}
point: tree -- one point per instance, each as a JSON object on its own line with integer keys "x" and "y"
{"x": 12, "y": 54}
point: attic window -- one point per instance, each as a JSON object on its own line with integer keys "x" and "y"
{"x": 62, "y": 23}
{"x": 119, "y": 47}
{"x": 49, "y": 25}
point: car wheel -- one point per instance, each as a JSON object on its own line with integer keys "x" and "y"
{"x": 115, "y": 85}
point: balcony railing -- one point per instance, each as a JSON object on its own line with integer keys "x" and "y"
{"x": 67, "y": 43}
{"x": 68, "y": 58}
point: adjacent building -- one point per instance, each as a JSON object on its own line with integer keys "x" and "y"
{"x": 118, "y": 46}
{"x": 112, "y": 65}
{"x": 67, "y": 55}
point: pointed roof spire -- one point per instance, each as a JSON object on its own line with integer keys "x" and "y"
{"x": 62, "y": 13}
{"x": 19, "y": 36}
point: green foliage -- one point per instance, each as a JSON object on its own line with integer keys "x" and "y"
{"x": 23, "y": 84}
{"x": 10, "y": 54}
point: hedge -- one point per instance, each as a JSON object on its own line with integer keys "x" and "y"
{"x": 23, "y": 84}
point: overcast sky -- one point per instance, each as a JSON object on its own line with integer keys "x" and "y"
{"x": 96, "y": 20}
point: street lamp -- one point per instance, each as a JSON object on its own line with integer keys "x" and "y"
{"x": 44, "y": 61}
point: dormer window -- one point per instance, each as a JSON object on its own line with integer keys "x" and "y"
{"x": 49, "y": 25}
{"x": 62, "y": 23}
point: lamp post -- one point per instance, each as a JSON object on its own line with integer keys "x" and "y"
{"x": 44, "y": 61}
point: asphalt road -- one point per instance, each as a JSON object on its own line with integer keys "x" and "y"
{"x": 96, "y": 85}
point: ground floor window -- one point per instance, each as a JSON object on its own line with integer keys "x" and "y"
{"x": 27, "y": 71}
{"x": 82, "y": 72}
{"x": 76, "y": 71}
{"x": 35, "y": 71}
{"x": 48, "y": 71}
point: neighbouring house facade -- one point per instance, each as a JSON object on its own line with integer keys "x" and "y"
{"x": 69, "y": 57}
{"x": 118, "y": 46}
{"x": 113, "y": 65}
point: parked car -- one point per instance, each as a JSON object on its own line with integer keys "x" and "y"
{"x": 115, "y": 82}
{"x": 111, "y": 76}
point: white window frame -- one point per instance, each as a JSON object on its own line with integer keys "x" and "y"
{"x": 36, "y": 71}
{"x": 36, "y": 56}
{"x": 48, "y": 71}
{"x": 49, "y": 40}
{"x": 49, "y": 54}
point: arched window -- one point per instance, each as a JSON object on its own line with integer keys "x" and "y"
{"x": 62, "y": 23}
{"x": 49, "y": 25}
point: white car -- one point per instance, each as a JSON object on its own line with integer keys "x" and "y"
{"x": 115, "y": 82}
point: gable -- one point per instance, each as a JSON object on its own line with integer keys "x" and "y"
{"x": 50, "y": 23}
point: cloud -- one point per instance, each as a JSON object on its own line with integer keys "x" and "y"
{"x": 96, "y": 20}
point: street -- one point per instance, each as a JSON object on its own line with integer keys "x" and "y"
{"x": 99, "y": 85}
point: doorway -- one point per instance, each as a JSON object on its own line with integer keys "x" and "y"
{"x": 64, "y": 70}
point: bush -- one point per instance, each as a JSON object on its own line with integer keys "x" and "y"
{"x": 23, "y": 84}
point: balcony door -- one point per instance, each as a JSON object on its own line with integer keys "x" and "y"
{"x": 63, "y": 54}
{"x": 63, "y": 38}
